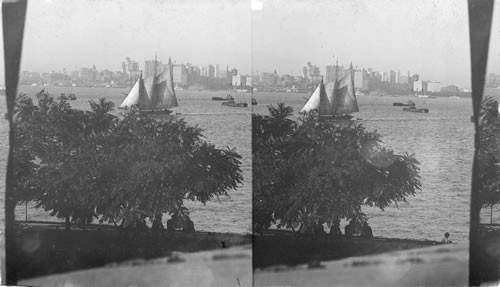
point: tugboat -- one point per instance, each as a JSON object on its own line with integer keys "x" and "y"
{"x": 227, "y": 98}
{"x": 231, "y": 103}
{"x": 410, "y": 103}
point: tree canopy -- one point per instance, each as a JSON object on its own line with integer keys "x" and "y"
{"x": 322, "y": 170}
{"x": 83, "y": 165}
{"x": 489, "y": 152}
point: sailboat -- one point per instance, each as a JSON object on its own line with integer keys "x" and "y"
{"x": 154, "y": 94}
{"x": 336, "y": 99}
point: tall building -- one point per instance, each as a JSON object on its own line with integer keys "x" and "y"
{"x": 433, "y": 87}
{"x": 211, "y": 71}
{"x": 150, "y": 67}
{"x": 392, "y": 76}
{"x": 204, "y": 71}
{"x": 239, "y": 81}
{"x": 330, "y": 73}
{"x": 361, "y": 80}
{"x": 420, "y": 86}
{"x": 216, "y": 71}
{"x": 180, "y": 75}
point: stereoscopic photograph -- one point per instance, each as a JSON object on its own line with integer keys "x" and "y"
{"x": 132, "y": 146}
{"x": 250, "y": 143}
{"x": 362, "y": 143}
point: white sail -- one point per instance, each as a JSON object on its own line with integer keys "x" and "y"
{"x": 155, "y": 92}
{"x": 325, "y": 104}
{"x": 166, "y": 91}
{"x": 134, "y": 95}
{"x": 150, "y": 84}
{"x": 313, "y": 102}
{"x": 345, "y": 101}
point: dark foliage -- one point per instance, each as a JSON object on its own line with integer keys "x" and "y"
{"x": 322, "y": 170}
{"x": 83, "y": 165}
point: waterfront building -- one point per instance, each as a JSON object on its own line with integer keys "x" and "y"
{"x": 84, "y": 74}
{"x": 392, "y": 76}
{"x": 216, "y": 71}
{"x": 180, "y": 75}
{"x": 385, "y": 77}
{"x": 239, "y": 81}
{"x": 361, "y": 80}
{"x": 222, "y": 73}
{"x": 330, "y": 73}
{"x": 93, "y": 74}
{"x": 151, "y": 67}
{"x": 450, "y": 89}
{"x": 311, "y": 71}
{"x": 493, "y": 81}
{"x": 433, "y": 87}
{"x": 249, "y": 81}
{"x": 211, "y": 71}
{"x": 204, "y": 71}
{"x": 420, "y": 86}
{"x": 403, "y": 79}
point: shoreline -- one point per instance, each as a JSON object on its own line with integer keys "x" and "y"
{"x": 78, "y": 249}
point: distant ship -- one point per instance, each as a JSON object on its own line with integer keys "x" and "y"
{"x": 154, "y": 94}
{"x": 419, "y": 109}
{"x": 336, "y": 99}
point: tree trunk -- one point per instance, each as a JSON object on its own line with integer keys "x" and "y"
{"x": 491, "y": 214}
{"x": 67, "y": 223}
{"x": 157, "y": 224}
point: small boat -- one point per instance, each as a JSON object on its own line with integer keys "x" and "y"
{"x": 254, "y": 101}
{"x": 232, "y": 103}
{"x": 335, "y": 100}
{"x": 408, "y": 104}
{"x": 227, "y": 98}
{"x": 154, "y": 94}
{"x": 415, "y": 110}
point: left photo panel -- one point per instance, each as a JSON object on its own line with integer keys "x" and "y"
{"x": 131, "y": 144}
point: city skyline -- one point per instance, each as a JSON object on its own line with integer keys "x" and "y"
{"x": 425, "y": 37}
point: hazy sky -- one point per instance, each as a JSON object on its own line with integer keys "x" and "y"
{"x": 429, "y": 37}
{"x": 494, "y": 50}
{"x": 64, "y": 33}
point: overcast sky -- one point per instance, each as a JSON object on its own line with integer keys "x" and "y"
{"x": 429, "y": 37}
{"x": 68, "y": 33}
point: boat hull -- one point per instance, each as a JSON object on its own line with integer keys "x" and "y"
{"x": 415, "y": 110}
{"x": 403, "y": 105}
{"x": 221, "y": 99}
{"x": 236, "y": 105}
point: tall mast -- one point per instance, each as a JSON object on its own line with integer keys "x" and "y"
{"x": 337, "y": 70}
{"x": 155, "y": 63}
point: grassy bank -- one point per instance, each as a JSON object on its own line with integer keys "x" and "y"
{"x": 45, "y": 249}
{"x": 287, "y": 248}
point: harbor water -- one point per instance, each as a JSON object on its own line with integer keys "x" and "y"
{"x": 442, "y": 140}
{"x": 222, "y": 126}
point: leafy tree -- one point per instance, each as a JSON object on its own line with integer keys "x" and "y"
{"x": 489, "y": 152}
{"x": 82, "y": 165}
{"x": 323, "y": 170}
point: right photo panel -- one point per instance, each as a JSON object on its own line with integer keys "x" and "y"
{"x": 488, "y": 161}
{"x": 363, "y": 143}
